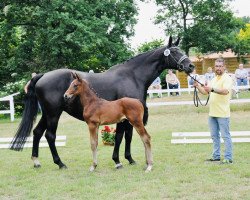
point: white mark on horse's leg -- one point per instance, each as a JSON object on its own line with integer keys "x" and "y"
{"x": 118, "y": 166}
{"x": 36, "y": 162}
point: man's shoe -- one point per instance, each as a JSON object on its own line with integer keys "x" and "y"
{"x": 212, "y": 159}
{"x": 227, "y": 161}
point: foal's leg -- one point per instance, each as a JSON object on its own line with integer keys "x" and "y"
{"x": 120, "y": 128}
{"x": 37, "y": 134}
{"x": 93, "y": 130}
{"x": 145, "y": 137}
{"x": 52, "y": 122}
{"x": 128, "y": 139}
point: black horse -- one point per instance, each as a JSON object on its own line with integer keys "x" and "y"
{"x": 129, "y": 79}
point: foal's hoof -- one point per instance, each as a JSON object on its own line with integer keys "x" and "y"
{"x": 63, "y": 167}
{"x": 148, "y": 168}
{"x": 92, "y": 168}
{"x": 37, "y": 166}
{"x": 119, "y": 166}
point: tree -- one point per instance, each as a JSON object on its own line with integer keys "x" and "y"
{"x": 43, "y": 35}
{"x": 208, "y": 25}
{"x": 242, "y": 46}
{"x": 147, "y": 46}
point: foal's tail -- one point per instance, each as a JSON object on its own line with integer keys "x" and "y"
{"x": 145, "y": 116}
{"x": 28, "y": 118}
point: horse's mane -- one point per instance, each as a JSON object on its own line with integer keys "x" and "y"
{"x": 144, "y": 54}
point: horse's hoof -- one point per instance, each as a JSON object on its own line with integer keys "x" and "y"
{"x": 119, "y": 166}
{"x": 132, "y": 162}
{"x": 63, "y": 167}
{"x": 37, "y": 166}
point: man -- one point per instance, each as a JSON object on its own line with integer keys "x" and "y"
{"x": 219, "y": 111}
{"x": 241, "y": 75}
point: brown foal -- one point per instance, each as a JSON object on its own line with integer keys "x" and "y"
{"x": 99, "y": 111}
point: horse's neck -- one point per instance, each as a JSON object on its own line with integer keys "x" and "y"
{"x": 87, "y": 96}
{"x": 148, "y": 66}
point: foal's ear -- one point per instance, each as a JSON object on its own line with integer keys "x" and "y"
{"x": 170, "y": 41}
{"x": 177, "y": 42}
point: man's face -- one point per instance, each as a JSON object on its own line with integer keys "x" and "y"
{"x": 219, "y": 68}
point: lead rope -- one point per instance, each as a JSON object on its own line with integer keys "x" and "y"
{"x": 196, "y": 98}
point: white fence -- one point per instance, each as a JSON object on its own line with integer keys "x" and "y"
{"x": 236, "y": 89}
{"x": 204, "y": 137}
{"x": 11, "y": 111}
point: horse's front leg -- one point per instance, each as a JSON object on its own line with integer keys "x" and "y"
{"x": 120, "y": 128}
{"x": 93, "y": 130}
{"x": 50, "y": 135}
{"x": 128, "y": 139}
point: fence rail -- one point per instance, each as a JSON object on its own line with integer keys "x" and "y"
{"x": 60, "y": 141}
{"x": 11, "y": 111}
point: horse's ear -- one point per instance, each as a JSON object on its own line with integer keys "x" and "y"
{"x": 73, "y": 75}
{"x": 77, "y": 77}
{"x": 177, "y": 42}
{"x": 170, "y": 41}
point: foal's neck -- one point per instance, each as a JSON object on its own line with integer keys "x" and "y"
{"x": 87, "y": 95}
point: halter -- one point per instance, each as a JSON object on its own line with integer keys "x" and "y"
{"x": 167, "y": 53}
{"x": 180, "y": 67}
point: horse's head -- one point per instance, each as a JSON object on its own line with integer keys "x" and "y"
{"x": 176, "y": 59}
{"x": 76, "y": 86}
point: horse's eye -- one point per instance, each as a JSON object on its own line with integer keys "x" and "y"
{"x": 75, "y": 87}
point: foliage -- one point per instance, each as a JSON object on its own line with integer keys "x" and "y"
{"x": 147, "y": 46}
{"x": 243, "y": 42}
{"x": 108, "y": 135}
{"x": 208, "y": 25}
{"x": 10, "y": 88}
{"x": 38, "y": 36}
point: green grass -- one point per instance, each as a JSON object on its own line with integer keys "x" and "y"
{"x": 179, "y": 170}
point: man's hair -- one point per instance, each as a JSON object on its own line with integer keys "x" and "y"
{"x": 221, "y": 60}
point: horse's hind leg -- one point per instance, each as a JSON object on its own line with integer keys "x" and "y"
{"x": 93, "y": 130}
{"x": 128, "y": 139}
{"x": 52, "y": 123}
{"x": 120, "y": 128}
{"x": 37, "y": 134}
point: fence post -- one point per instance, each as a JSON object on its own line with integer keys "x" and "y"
{"x": 12, "y": 108}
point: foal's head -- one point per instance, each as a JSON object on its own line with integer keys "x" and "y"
{"x": 77, "y": 86}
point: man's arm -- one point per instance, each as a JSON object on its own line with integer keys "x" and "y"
{"x": 206, "y": 89}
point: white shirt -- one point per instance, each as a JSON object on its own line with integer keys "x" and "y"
{"x": 241, "y": 73}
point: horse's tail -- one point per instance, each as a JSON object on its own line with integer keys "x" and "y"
{"x": 28, "y": 117}
{"x": 145, "y": 116}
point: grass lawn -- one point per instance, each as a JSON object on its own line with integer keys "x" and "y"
{"x": 179, "y": 171}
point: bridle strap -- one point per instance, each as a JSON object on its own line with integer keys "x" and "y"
{"x": 179, "y": 65}
{"x": 181, "y": 59}
{"x": 196, "y": 98}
